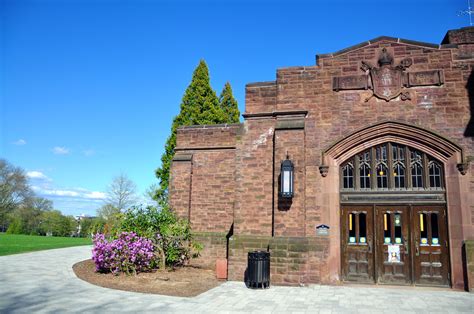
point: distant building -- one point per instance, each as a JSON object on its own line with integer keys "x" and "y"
{"x": 79, "y": 218}
{"x": 378, "y": 186}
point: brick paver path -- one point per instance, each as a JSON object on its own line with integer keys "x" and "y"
{"x": 44, "y": 282}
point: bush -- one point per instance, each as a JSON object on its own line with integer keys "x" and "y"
{"x": 170, "y": 234}
{"x": 129, "y": 254}
{"x": 98, "y": 226}
{"x": 91, "y": 226}
{"x": 15, "y": 227}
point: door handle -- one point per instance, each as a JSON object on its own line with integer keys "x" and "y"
{"x": 417, "y": 248}
{"x": 406, "y": 245}
{"x": 369, "y": 243}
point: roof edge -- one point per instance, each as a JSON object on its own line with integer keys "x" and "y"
{"x": 261, "y": 84}
{"x": 210, "y": 126}
{"x": 376, "y": 40}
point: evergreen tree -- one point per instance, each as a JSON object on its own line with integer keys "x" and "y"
{"x": 228, "y": 104}
{"x": 199, "y": 105}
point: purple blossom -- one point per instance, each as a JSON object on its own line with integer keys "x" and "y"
{"x": 129, "y": 253}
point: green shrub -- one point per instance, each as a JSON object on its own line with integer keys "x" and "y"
{"x": 170, "y": 234}
{"x": 15, "y": 227}
{"x": 89, "y": 226}
{"x": 98, "y": 226}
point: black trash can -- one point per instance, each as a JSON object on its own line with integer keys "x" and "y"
{"x": 258, "y": 270}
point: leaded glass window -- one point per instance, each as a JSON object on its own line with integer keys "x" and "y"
{"x": 398, "y": 158}
{"x": 416, "y": 168}
{"x": 382, "y": 169}
{"x": 348, "y": 176}
{"x": 364, "y": 169}
{"x": 392, "y": 166}
{"x": 434, "y": 174}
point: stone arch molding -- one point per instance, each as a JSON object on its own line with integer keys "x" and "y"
{"x": 397, "y": 132}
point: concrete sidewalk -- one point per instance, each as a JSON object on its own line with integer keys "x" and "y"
{"x": 44, "y": 282}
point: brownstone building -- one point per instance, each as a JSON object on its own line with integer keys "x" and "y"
{"x": 381, "y": 137}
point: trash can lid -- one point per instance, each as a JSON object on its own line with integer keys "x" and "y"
{"x": 258, "y": 254}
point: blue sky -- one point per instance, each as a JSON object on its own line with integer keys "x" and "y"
{"x": 88, "y": 89}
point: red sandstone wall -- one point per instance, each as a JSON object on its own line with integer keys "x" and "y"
{"x": 179, "y": 187}
{"x": 204, "y": 185}
{"x": 260, "y": 97}
{"x": 214, "y": 247}
{"x": 212, "y": 200}
{"x": 333, "y": 115}
{"x": 206, "y": 136}
{"x": 459, "y": 36}
{"x": 290, "y": 216}
{"x": 254, "y": 169}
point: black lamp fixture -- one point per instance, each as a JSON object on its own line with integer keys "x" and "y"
{"x": 286, "y": 178}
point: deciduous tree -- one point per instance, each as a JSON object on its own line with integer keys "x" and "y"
{"x": 121, "y": 193}
{"x": 14, "y": 191}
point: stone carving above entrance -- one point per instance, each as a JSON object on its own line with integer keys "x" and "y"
{"x": 387, "y": 81}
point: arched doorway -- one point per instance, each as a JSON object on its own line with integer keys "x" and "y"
{"x": 393, "y": 217}
{"x": 450, "y": 201}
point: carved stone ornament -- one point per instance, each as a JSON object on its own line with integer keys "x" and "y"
{"x": 463, "y": 167}
{"x": 387, "y": 81}
{"x": 323, "y": 170}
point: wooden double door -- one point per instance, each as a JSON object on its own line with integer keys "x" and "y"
{"x": 405, "y": 245}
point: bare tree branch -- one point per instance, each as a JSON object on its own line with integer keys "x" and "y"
{"x": 121, "y": 193}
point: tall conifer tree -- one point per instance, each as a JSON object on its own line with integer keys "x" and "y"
{"x": 199, "y": 105}
{"x": 228, "y": 104}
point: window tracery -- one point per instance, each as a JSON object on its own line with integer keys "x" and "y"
{"x": 391, "y": 166}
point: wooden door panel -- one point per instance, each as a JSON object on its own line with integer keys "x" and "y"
{"x": 431, "y": 258}
{"x": 392, "y": 229}
{"x": 356, "y": 243}
{"x": 358, "y": 264}
{"x": 424, "y": 255}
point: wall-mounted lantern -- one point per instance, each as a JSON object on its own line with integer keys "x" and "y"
{"x": 287, "y": 178}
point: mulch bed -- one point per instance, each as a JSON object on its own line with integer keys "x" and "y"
{"x": 185, "y": 281}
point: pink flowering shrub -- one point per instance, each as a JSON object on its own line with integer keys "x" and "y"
{"x": 128, "y": 253}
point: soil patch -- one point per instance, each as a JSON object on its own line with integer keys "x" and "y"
{"x": 185, "y": 281}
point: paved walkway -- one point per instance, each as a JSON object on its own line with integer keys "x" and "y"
{"x": 44, "y": 282}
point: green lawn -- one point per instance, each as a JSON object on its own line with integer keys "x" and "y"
{"x": 15, "y": 243}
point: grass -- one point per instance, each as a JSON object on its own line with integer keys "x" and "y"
{"x": 17, "y": 243}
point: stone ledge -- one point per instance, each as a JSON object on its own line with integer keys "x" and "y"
{"x": 183, "y": 157}
{"x": 210, "y": 126}
{"x": 290, "y": 124}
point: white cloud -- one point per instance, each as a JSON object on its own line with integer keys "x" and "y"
{"x": 73, "y": 200}
{"x": 20, "y": 142}
{"x": 36, "y": 188}
{"x": 88, "y": 152}
{"x": 76, "y": 193}
{"x": 53, "y": 192}
{"x": 37, "y": 175}
{"x": 58, "y": 150}
{"x": 95, "y": 195}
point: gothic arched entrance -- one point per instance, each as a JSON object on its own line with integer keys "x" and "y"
{"x": 393, "y": 217}
{"x": 393, "y": 190}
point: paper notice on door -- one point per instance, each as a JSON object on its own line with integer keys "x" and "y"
{"x": 393, "y": 253}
